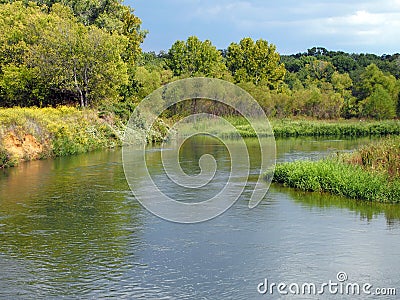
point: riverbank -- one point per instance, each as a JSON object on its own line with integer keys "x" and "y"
{"x": 371, "y": 173}
{"x": 283, "y": 128}
{"x": 345, "y": 128}
{"x": 340, "y": 128}
{"x": 33, "y": 133}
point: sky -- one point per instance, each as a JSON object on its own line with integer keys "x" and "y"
{"x": 354, "y": 26}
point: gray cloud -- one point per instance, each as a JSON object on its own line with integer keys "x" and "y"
{"x": 354, "y": 26}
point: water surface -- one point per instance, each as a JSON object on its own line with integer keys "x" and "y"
{"x": 71, "y": 228}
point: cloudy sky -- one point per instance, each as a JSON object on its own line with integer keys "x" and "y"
{"x": 358, "y": 26}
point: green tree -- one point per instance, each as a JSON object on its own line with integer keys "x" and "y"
{"x": 320, "y": 70}
{"x": 146, "y": 81}
{"x": 110, "y": 15}
{"x": 62, "y": 59}
{"x": 256, "y": 62}
{"x": 343, "y": 62}
{"x": 342, "y": 84}
{"x": 372, "y": 77}
{"x": 18, "y": 82}
{"x": 379, "y": 105}
{"x": 196, "y": 58}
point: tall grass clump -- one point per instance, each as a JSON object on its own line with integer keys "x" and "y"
{"x": 295, "y": 128}
{"x": 339, "y": 178}
{"x": 382, "y": 157}
{"x": 370, "y": 173}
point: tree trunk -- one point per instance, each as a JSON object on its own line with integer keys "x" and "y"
{"x": 86, "y": 81}
{"x": 79, "y": 90}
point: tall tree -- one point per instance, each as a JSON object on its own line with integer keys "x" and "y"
{"x": 372, "y": 77}
{"x": 379, "y": 105}
{"x": 379, "y": 91}
{"x": 62, "y": 58}
{"x": 110, "y": 15}
{"x": 256, "y": 62}
{"x": 194, "y": 57}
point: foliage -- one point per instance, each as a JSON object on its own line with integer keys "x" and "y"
{"x": 295, "y": 128}
{"x": 318, "y": 70}
{"x": 110, "y": 15}
{"x": 146, "y": 81}
{"x": 87, "y": 53}
{"x": 311, "y": 102}
{"x": 379, "y": 105}
{"x": 256, "y": 62}
{"x": 364, "y": 81}
{"x": 48, "y": 58}
{"x": 372, "y": 77}
{"x": 195, "y": 58}
{"x": 285, "y": 128}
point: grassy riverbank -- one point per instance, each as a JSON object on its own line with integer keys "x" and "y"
{"x": 295, "y": 127}
{"x": 304, "y": 127}
{"x": 33, "y": 133}
{"x": 286, "y": 128}
{"x": 371, "y": 173}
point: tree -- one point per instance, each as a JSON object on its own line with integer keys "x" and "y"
{"x": 377, "y": 92}
{"x": 256, "y": 62}
{"x": 109, "y": 15}
{"x": 321, "y": 70}
{"x": 146, "y": 81}
{"x": 344, "y": 63}
{"x": 316, "y": 71}
{"x": 373, "y": 77}
{"x": 379, "y": 105}
{"x": 342, "y": 84}
{"x": 195, "y": 58}
{"x": 61, "y": 60}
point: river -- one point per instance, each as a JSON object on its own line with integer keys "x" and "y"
{"x": 70, "y": 227}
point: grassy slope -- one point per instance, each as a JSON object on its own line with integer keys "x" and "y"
{"x": 51, "y": 132}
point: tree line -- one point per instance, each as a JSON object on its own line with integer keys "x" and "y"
{"x": 318, "y": 83}
{"x": 87, "y": 53}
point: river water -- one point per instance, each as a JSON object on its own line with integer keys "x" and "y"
{"x": 70, "y": 227}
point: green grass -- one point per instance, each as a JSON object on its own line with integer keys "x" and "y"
{"x": 371, "y": 173}
{"x": 304, "y": 127}
{"x": 354, "y": 128}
